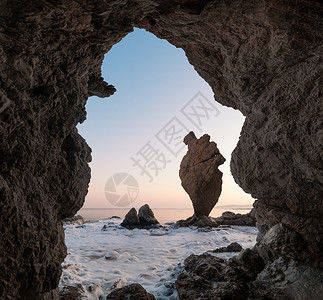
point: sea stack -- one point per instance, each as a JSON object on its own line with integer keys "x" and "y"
{"x": 199, "y": 173}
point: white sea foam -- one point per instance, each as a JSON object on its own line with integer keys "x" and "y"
{"x": 103, "y": 260}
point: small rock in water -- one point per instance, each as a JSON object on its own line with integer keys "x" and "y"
{"x": 145, "y": 219}
{"x": 233, "y": 247}
{"x": 230, "y": 218}
{"x": 146, "y": 216}
{"x": 131, "y": 292}
{"x": 131, "y": 219}
{"x": 201, "y": 222}
{"x": 77, "y": 219}
{"x": 72, "y": 292}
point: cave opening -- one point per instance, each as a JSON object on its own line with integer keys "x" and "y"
{"x": 157, "y": 88}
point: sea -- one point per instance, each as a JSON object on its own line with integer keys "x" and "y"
{"x": 163, "y": 215}
{"x": 102, "y": 255}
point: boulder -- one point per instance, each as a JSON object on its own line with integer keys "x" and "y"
{"x": 233, "y": 247}
{"x": 131, "y": 219}
{"x": 77, "y": 220}
{"x": 199, "y": 173}
{"x": 71, "y": 292}
{"x": 201, "y": 222}
{"x": 144, "y": 219}
{"x": 146, "y": 216}
{"x": 131, "y": 292}
{"x": 231, "y": 277}
{"x": 230, "y": 218}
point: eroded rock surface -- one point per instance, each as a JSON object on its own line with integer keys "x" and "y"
{"x": 232, "y": 277}
{"x": 263, "y": 58}
{"x": 199, "y": 173}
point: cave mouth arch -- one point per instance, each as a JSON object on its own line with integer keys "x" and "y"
{"x": 263, "y": 59}
{"x": 154, "y": 82}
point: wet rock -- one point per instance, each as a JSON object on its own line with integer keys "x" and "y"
{"x": 78, "y": 220}
{"x": 233, "y": 247}
{"x": 145, "y": 219}
{"x": 232, "y": 277}
{"x": 131, "y": 219}
{"x": 146, "y": 216}
{"x": 201, "y": 222}
{"x": 230, "y": 218}
{"x": 279, "y": 241}
{"x": 290, "y": 279}
{"x": 199, "y": 173}
{"x": 131, "y": 292}
{"x": 72, "y": 292}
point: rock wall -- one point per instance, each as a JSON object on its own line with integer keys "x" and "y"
{"x": 261, "y": 57}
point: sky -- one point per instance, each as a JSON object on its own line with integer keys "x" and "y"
{"x": 136, "y": 134}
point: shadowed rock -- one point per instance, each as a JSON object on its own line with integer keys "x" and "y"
{"x": 233, "y": 247}
{"x": 230, "y": 218}
{"x": 130, "y": 292}
{"x": 199, "y": 173}
{"x": 78, "y": 220}
{"x": 72, "y": 292}
{"x": 146, "y": 216}
{"x": 131, "y": 219}
{"x": 231, "y": 276}
{"x": 202, "y": 221}
{"x": 145, "y": 219}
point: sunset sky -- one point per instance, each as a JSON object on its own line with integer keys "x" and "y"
{"x": 157, "y": 91}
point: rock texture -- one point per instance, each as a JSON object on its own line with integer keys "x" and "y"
{"x": 72, "y": 293}
{"x": 232, "y": 278}
{"x": 131, "y": 292}
{"x": 199, "y": 173}
{"x": 263, "y": 58}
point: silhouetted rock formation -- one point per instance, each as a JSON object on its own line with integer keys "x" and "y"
{"x": 131, "y": 219}
{"x": 145, "y": 218}
{"x": 131, "y": 292}
{"x": 199, "y": 173}
{"x": 230, "y": 218}
{"x": 260, "y": 57}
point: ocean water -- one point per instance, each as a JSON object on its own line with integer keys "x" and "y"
{"x": 163, "y": 215}
{"x": 102, "y": 260}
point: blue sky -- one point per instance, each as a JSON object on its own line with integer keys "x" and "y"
{"x": 154, "y": 82}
